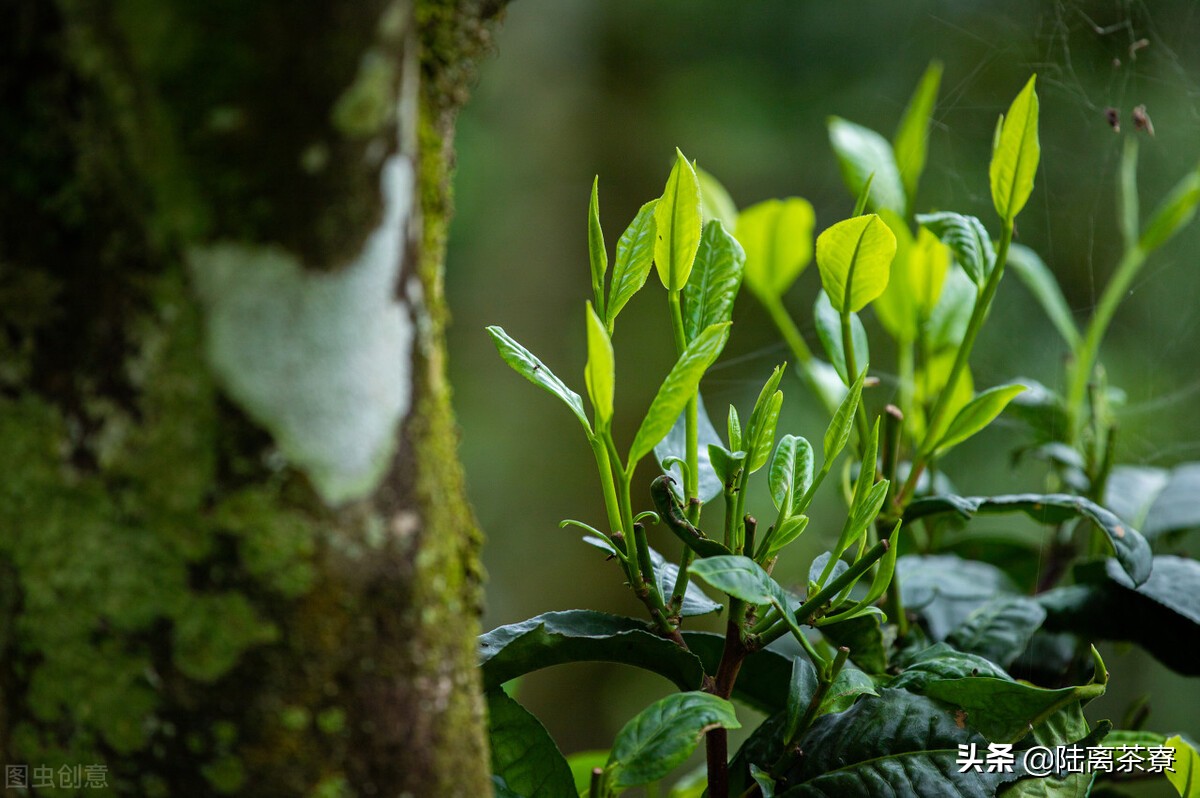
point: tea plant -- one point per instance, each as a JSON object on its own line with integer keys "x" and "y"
{"x": 921, "y": 699}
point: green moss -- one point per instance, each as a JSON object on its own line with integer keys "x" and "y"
{"x": 103, "y": 560}
{"x": 368, "y": 106}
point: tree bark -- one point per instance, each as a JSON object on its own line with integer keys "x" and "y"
{"x": 235, "y": 552}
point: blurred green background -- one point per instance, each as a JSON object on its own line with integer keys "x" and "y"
{"x": 611, "y": 87}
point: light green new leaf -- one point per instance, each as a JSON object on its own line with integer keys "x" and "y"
{"x": 1175, "y": 212}
{"x": 740, "y": 577}
{"x": 967, "y": 238}
{"x": 912, "y": 136}
{"x": 791, "y": 472}
{"x": 1015, "y": 154}
{"x": 866, "y": 469}
{"x": 760, "y": 431}
{"x": 865, "y": 155}
{"x": 839, "y": 428}
{"x": 600, "y": 372}
{"x": 677, "y": 220}
{"x": 829, "y": 330}
{"x": 635, "y": 255}
{"x": 895, "y": 307}
{"x": 715, "y": 202}
{"x": 855, "y": 259}
{"x": 679, "y": 386}
{"x": 733, "y": 427}
{"x": 597, "y": 255}
{"x": 1033, "y": 272}
{"x": 524, "y": 363}
{"x": 716, "y": 277}
{"x": 978, "y": 413}
{"x": 777, "y": 238}
{"x": 663, "y": 735}
{"x": 1186, "y": 775}
{"x": 847, "y": 686}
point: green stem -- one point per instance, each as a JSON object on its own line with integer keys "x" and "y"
{"x": 691, "y": 479}
{"x": 814, "y": 604}
{"x": 978, "y": 314}
{"x": 860, "y": 417}
{"x": 611, "y": 504}
{"x": 1085, "y": 358}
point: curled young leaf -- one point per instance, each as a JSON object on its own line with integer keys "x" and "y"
{"x": 1015, "y": 154}
{"x": 677, "y": 221}
{"x": 600, "y": 373}
{"x": 528, "y": 366}
{"x": 597, "y": 254}
{"x": 635, "y": 255}
{"x": 910, "y": 143}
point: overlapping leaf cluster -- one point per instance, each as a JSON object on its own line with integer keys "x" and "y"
{"x": 898, "y": 660}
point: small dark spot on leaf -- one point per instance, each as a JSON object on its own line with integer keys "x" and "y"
{"x": 960, "y": 718}
{"x": 1114, "y": 118}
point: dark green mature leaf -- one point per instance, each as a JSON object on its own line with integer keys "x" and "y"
{"x": 1005, "y": 710}
{"x": 1177, "y": 506}
{"x": 501, "y": 790}
{"x": 944, "y": 589}
{"x": 967, "y": 238}
{"x": 1131, "y": 549}
{"x": 940, "y": 662}
{"x": 677, "y": 223}
{"x": 716, "y": 277}
{"x": 801, "y": 689}
{"x": 740, "y": 577}
{"x": 864, "y": 636}
{"x": 1037, "y": 277}
{"x": 865, "y": 155}
{"x": 762, "y": 749}
{"x": 897, "y": 744}
{"x": 523, "y": 755}
{"x": 829, "y": 330}
{"x": 675, "y": 445}
{"x": 1162, "y": 614}
{"x": 1132, "y": 490}
{"x": 999, "y": 630}
{"x": 663, "y": 735}
{"x": 679, "y": 386}
{"x": 635, "y": 256}
{"x": 1066, "y": 727}
{"x": 555, "y": 638}
{"x": 1015, "y": 154}
{"x": 528, "y": 366}
{"x": 791, "y": 472}
{"x": 1177, "y": 209}
{"x": 910, "y": 142}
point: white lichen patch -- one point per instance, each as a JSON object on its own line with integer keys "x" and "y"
{"x": 321, "y": 360}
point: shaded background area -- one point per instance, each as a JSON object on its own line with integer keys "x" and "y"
{"x": 580, "y": 87}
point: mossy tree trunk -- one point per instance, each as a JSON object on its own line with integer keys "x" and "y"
{"x": 235, "y": 554}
